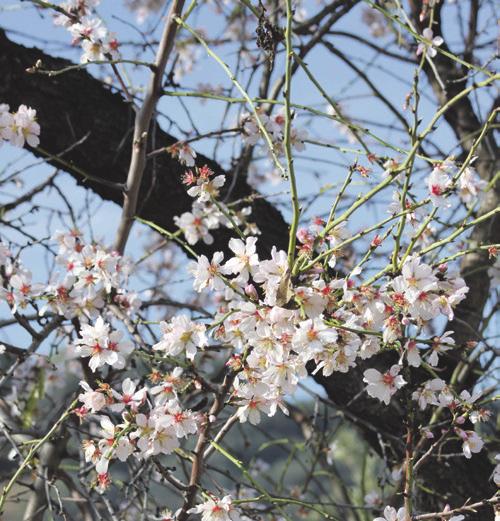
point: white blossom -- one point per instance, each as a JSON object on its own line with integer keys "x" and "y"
{"x": 390, "y": 514}
{"x": 215, "y": 509}
{"x": 182, "y": 335}
{"x": 103, "y": 346}
{"x": 383, "y": 385}
{"x": 471, "y": 442}
{"x": 430, "y": 43}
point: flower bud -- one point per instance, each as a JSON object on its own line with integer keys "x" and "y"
{"x": 251, "y": 292}
{"x": 443, "y": 267}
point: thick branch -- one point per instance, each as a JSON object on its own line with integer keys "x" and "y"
{"x": 75, "y": 104}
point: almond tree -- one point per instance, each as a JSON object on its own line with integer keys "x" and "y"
{"x": 125, "y": 395}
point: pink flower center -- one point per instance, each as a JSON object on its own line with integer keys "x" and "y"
{"x": 388, "y": 379}
{"x": 422, "y": 296}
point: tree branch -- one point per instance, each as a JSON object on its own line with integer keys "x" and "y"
{"x": 75, "y": 104}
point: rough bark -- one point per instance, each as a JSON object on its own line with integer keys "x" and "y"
{"x": 73, "y": 105}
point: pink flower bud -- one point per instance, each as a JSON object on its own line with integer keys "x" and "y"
{"x": 377, "y": 241}
{"x": 251, "y": 292}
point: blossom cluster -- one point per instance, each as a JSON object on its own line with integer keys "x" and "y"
{"x": 278, "y": 326}
{"x": 216, "y": 509}
{"x": 17, "y": 289}
{"x": 88, "y": 30}
{"x": 274, "y": 317}
{"x": 181, "y": 335}
{"x": 19, "y": 127}
{"x": 442, "y": 181}
{"x": 102, "y": 345}
{"x": 152, "y": 421}
{"x": 89, "y": 278}
{"x": 275, "y": 343}
{"x": 445, "y": 180}
{"x": 208, "y": 213}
